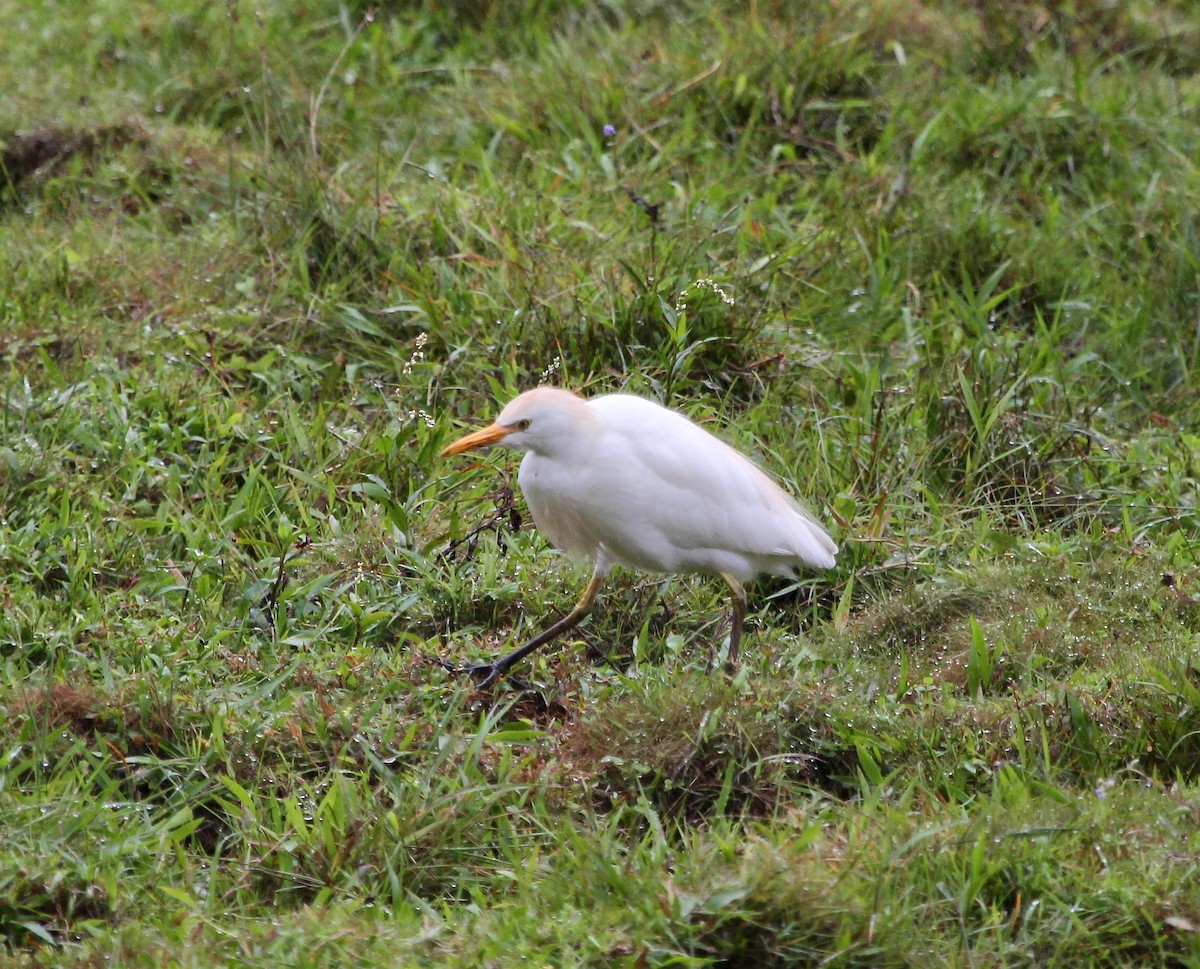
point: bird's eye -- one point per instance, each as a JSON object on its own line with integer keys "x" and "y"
{"x": 522, "y": 425}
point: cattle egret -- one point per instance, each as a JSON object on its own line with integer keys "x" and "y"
{"x": 621, "y": 480}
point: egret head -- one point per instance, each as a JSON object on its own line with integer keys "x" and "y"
{"x": 544, "y": 420}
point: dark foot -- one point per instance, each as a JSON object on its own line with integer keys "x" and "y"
{"x": 486, "y": 674}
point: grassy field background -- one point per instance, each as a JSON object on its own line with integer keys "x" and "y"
{"x": 936, "y": 265}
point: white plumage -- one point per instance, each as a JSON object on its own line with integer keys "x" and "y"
{"x": 619, "y": 479}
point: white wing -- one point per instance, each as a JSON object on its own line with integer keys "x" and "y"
{"x": 668, "y": 496}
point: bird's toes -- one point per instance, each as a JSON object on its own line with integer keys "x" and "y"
{"x": 485, "y": 674}
{"x": 443, "y": 663}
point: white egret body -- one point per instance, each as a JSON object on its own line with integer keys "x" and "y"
{"x": 622, "y": 480}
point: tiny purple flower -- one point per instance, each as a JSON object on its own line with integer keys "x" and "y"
{"x": 609, "y": 131}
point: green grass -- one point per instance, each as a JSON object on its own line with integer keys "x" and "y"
{"x": 258, "y": 265}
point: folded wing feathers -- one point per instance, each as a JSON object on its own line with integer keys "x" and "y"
{"x": 732, "y": 504}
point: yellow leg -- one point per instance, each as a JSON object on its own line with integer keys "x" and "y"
{"x": 497, "y": 668}
{"x": 736, "y": 619}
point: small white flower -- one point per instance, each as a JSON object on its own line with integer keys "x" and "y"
{"x": 711, "y": 285}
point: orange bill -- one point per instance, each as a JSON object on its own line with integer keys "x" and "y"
{"x": 491, "y": 434}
